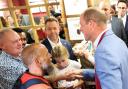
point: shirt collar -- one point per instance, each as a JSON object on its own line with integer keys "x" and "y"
{"x": 124, "y": 19}
{"x": 98, "y": 39}
{"x": 122, "y": 16}
{"x": 54, "y": 44}
{"x": 8, "y": 55}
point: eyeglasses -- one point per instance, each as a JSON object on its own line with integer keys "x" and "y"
{"x": 122, "y": 8}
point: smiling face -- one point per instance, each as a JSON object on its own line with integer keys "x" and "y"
{"x": 122, "y": 9}
{"x": 52, "y": 30}
{"x": 23, "y": 38}
{"x": 86, "y": 28}
{"x": 105, "y": 7}
{"x": 92, "y": 23}
{"x": 11, "y": 43}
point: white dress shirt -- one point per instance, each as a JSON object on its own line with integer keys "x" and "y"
{"x": 54, "y": 44}
{"x": 123, "y": 19}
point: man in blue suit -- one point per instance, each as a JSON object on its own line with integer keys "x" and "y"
{"x": 52, "y": 30}
{"x": 111, "y": 53}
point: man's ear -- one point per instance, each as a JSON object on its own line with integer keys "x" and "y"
{"x": 91, "y": 22}
{"x": 1, "y": 46}
{"x": 37, "y": 61}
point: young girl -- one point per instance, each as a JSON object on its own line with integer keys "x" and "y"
{"x": 63, "y": 66}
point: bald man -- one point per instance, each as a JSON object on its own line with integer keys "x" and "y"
{"x": 11, "y": 66}
{"x": 37, "y": 59}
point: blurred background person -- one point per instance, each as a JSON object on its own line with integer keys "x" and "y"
{"x": 41, "y": 31}
{"x": 113, "y": 22}
{"x": 59, "y": 18}
{"x": 22, "y": 35}
{"x": 4, "y": 23}
{"x": 122, "y": 8}
{"x": 10, "y": 21}
{"x": 113, "y": 10}
{"x": 85, "y": 52}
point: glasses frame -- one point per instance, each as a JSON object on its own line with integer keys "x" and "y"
{"x": 121, "y": 8}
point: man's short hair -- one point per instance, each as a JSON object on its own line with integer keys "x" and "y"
{"x": 2, "y": 33}
{"x": 123, "y": 1}
{"x": 31, "y": 52}
{"x": 18, "y": 30}
{"x": 95, "y": 15}
{"x": 51, "y": 19}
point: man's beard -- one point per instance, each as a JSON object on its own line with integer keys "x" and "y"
{"x": 47, "y": 67}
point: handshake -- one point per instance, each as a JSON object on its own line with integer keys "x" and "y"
{"x": 74, "y": 74}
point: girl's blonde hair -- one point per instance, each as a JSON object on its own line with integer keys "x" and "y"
{"x": 60, "y": 51}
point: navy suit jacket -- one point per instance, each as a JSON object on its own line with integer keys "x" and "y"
{"x": 64, "y": 43}
{"x": 126, "y": 26}
{"x": 111, "y": 62}
{"x": 118, "y": 29}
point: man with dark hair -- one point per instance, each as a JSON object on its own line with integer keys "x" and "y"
{"x": 113, "y": 22}
{"x": 25, "y": 36}
{"x": 122, "y": 7}
{"x": 52, "y": 30}
{"x": 22, "y": 35}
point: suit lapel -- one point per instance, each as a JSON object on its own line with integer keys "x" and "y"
{"x": 48, "y": 45}
{"x": 126, "y": 24}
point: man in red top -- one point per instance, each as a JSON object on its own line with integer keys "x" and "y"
{"x": 37, "y": 59}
